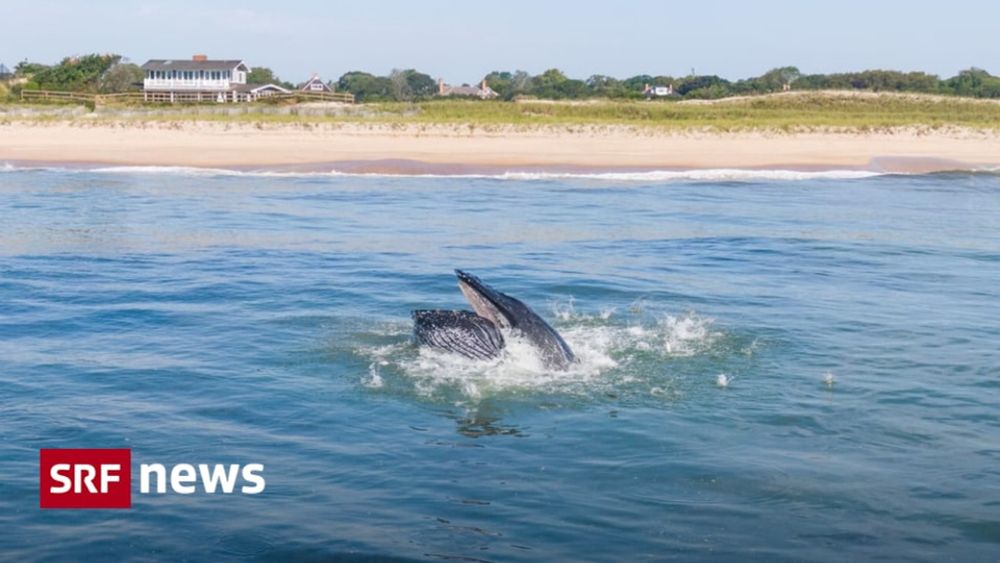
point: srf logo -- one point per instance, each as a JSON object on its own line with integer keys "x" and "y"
{"x": 85, "y": 478}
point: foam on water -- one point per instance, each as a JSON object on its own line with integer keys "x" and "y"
{"x": 613, "y": 351}
{"x": 700, "y": 175}
{"x": 703, "y": 175}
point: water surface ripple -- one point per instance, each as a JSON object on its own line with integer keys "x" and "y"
{"x": 226, "y": 318}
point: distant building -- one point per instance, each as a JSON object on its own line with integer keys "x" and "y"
{"x": 201, "y": 79}
{"x": 5, "y": 72}
{"x": 483, "y": 91}
{"x": 314, "y": 84}
{"x": 250, "y": 92}
{"x": 658, "y": 91}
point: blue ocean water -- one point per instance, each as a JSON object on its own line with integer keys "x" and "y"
{"x": 773, "y": 367}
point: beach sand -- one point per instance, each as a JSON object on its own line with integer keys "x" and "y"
{"x": 457, "y": 149}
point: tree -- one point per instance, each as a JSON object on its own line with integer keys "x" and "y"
{"x": 400, "y": 88}
{"x": 521, "y": 82}
{"x": 702, "y": 86}
{"x": 774, "y": 80}
{"x": 508, "y": 84}
{"x": 606, "y": 86}
{"x": 264, "y": 75}
{"x": 75, "y": 73}
{"x": 26, "y": 69}
{"x": 974, "y": 82}
{"x": 421, "y": 85}
{"x": 638, "y": 82}
{"x": 409, "y": 84}
{"x": 501, "y": 82}
{"x": 365, "y": 86}
{"x": 121, "y": 78}
{"x": 549, "y": 84}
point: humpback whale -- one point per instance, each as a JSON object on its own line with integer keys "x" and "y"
{"x": 477, "y": 334}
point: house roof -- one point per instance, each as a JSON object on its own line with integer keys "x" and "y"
{"x": 313, "y": 80}
{"x": 259, "y": 88}
{"x": 468, "y": 91}
{"x": 188, "y": 64}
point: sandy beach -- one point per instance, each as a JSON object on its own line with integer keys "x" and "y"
{"x": 456, "y": 149}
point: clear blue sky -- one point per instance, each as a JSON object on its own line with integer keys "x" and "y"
{"x": 463, "y": 40}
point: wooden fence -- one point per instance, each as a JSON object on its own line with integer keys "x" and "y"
{"x": 49, "y": 96}
{"x": 179, "y": 97}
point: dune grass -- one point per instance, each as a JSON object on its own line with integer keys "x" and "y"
{"x": 800, "y": 112}
{"x": 763, "y": 113}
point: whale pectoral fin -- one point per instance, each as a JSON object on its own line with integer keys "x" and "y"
{"x": 461, "y": 332}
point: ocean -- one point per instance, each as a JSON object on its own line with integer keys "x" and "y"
{"x": 773, "y": 365}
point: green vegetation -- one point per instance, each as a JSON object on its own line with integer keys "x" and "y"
{"x": 868, "y": 100}
{"x": 121, "y": 77}
{"x": 400, "y": 85}
{"x": 264, "y": 75}
{"x": 107, "y": 73}
{"x": 794, "y": 112}
{"x": 553, "y": 84}
{"x": 78, "y": 74}
{"x": 779, "y": 112}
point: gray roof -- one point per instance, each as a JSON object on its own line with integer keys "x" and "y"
{"x": 463, "y": 90}
{"x": 468, "y": 91}
{"x": 188, "y": 64}
{"x": 303, "y": 85}
{"x": 254, "y": 87}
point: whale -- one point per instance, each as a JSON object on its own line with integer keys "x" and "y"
{"x": 479, "y": 334}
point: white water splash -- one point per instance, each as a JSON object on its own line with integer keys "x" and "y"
{"x": 605, "y": 347}
{"x": 374, "y": 380}
{"x": 688, "y": 334}
{"x": 829, "y": 379}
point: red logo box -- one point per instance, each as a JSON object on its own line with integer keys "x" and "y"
{"x": 85, "y": 478}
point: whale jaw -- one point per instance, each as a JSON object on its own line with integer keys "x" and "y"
{"x": 477, "y": 334}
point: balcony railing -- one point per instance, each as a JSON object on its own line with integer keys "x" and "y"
{"x": 178, "y": 84}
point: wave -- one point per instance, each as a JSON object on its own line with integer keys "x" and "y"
{"x": 702, "y": 175}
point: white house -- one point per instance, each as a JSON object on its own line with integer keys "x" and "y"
{"x": 201, "y": 79}
{"x": 658, "y": 91}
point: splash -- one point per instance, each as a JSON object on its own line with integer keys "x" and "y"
{"x": 615, "y": 352}
{"x": 688, "y": 334}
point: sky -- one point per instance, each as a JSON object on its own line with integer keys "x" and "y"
{"x": 461, "y": 41}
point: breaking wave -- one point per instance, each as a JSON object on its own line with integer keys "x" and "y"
{"x": 702, "y": 175}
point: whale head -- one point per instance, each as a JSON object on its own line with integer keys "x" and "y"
{"x": 509, "y": 313}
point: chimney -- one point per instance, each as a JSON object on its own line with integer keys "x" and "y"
{"x": 199, "y": 57}
{"x": 440, "y": 86}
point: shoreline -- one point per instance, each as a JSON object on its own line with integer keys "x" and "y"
{"x": 455, "y": 150}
